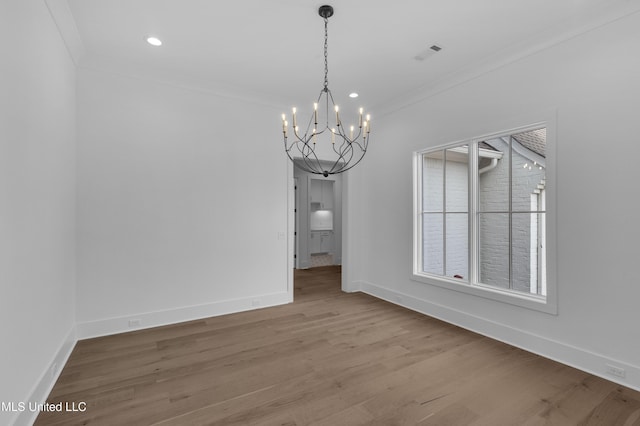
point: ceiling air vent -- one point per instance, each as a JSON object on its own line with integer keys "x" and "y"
{"x": 427, "y": 52}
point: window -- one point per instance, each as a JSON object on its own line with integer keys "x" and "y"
{"x": 481, "y": 217}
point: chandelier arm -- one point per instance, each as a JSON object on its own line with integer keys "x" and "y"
{"x": 305, "y": 151}
{"x": 356, "y": 143}
{"x": 311, "y": 120}
{"x": 308, "y": 167}
{"x": 356, "y": 138}
{"x": 296, "y": 163}
{"x": 336, "y": 164}
{"x": 296, "y": 145}
{"x": 362, "y": 149}
{"x": 308, "y": 125}
{"x": 304, "y": 165}
{"x": 338, "y": 121}
{"x": 342, "y": 152}
{"x": 352, "y": 165}
{"x": 301, "y": 166}
{"x": 347, "y": 153}
{"x": 295, "y": 133}
{"x": 326, "y": 105}
{"x": 341, "y": 148}
{"x": 351, "y": 150}
{"x": 310, "y": 163}
{"x": 308, "y": 155}
{"x": 305, "y": 158}
{"x": 347, "y": 166}
{"x": 337, "y": 167}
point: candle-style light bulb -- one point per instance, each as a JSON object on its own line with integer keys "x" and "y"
{"x": 337, "y": 116}
{"x": 315, "y": 113}
{"x": 333, "y": 136}
{"x": 360, "y": 120}
{"x": 294, "y": 116}
{"x": 351, "y": 133}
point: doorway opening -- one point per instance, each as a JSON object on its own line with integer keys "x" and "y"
{"x": 317, "y": 283}
{"x": 318, "y": 227}
{"x": 318, "y": 221}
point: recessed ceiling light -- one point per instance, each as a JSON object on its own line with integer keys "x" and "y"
{"x": 154, "y": 41}
{"x": 353, "y": 95}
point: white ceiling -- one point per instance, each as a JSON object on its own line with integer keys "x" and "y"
{"x": 272, "y": 49}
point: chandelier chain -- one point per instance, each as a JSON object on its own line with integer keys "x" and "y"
{"x": 326, "y": 55}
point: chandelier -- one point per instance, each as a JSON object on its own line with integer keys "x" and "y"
{"x": 322, "y": 148}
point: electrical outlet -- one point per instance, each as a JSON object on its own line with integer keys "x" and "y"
{"x": 134, "y": 323}
{"x": 615, "y": 371}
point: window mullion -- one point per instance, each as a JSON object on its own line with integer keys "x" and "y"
{"x": 444, "y": 213}
{"x": 472, "y": 227}
{"x": 418, "y": 203}
{"x": 510, "y": 215}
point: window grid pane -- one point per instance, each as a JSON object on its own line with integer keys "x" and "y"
{"x": 457, "y": 246}
{"x": 457, "y": 179}
{"x": 493, "y": 175}
{"x": 432, "y": 182}
{"x": 432, "y": 243}
{"x": 528, "y": 172}
{"x": 528, "y": 253}
{"x": 493, "y": 249}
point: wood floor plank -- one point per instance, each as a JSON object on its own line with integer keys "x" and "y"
{"x": 330, "y": 358}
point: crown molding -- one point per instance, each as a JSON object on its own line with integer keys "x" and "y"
{"x": 66, "y": 24}
{"x": 590, "y": 20}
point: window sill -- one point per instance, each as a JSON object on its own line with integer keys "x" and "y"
{"x": 537, "y": 303}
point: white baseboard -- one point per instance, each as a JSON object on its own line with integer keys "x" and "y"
{"x": 353, "y": 286}
{"x": 104, "y": 327}
{"x": 47, "y": 379}
{"x": 573, "y": 356}
{"x": 86, "y": 330}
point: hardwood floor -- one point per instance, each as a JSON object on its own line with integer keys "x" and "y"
{"x": 330, "y": 358}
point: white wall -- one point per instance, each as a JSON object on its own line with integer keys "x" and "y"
{"x": 37, "y": 203}
{"x": 592, "y": 83}
{"x": 182, "y": 204}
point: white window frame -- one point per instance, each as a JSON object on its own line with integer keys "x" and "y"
{"x": 543, "y": 303}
